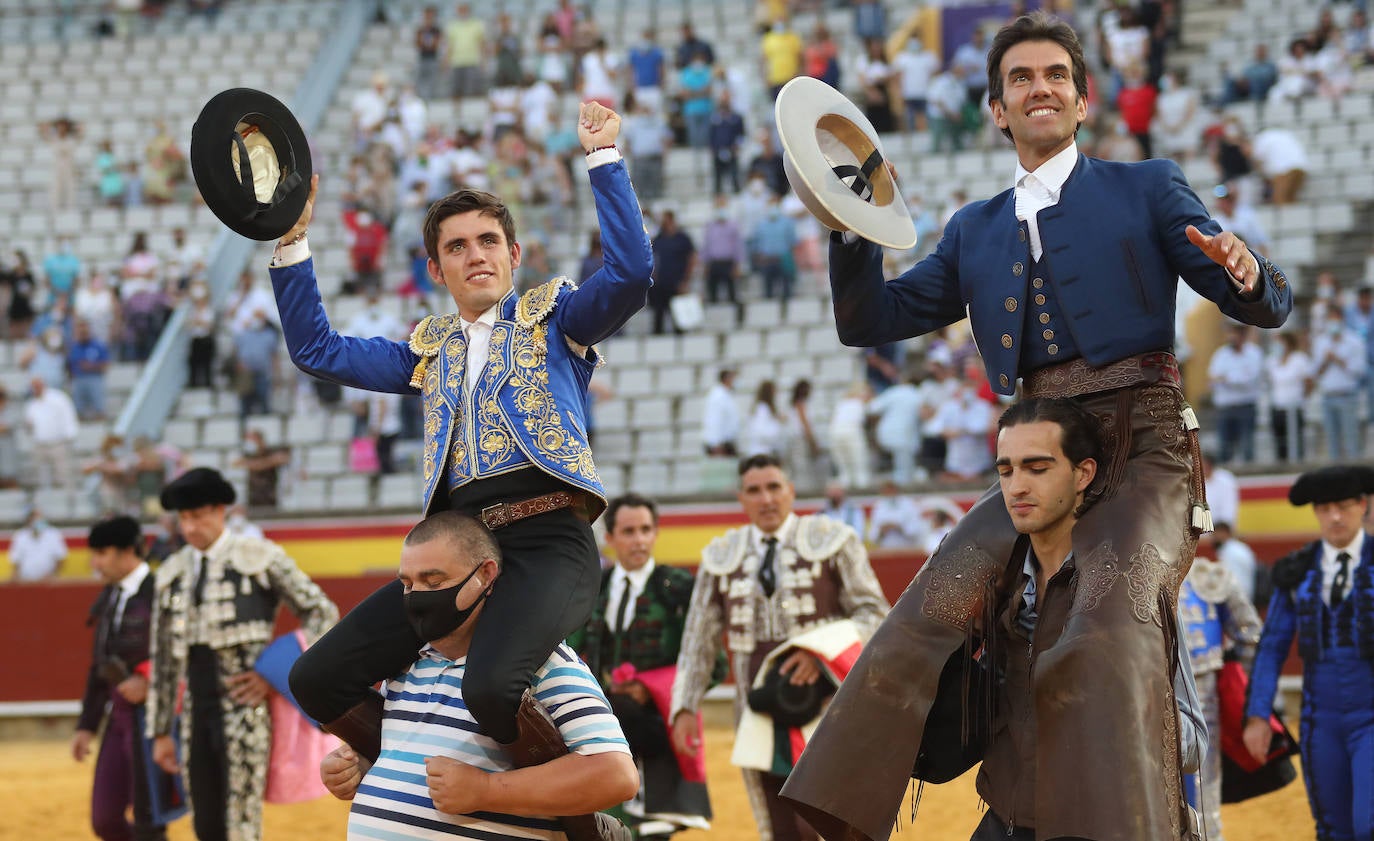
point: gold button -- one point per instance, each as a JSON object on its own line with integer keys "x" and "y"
{"x": 1017, "y": 268}
{"x": 1039, "y": 299}
{"x": 1006, "y": 340}
{"x": 1044, "y": 318}
{"x": 1053, "y": 349}
{"x": 1048, "y": 334}
{"x": 1002, "y": 380}
{"x": 1010, "y": 304}
{"x": 1038, "y": 282}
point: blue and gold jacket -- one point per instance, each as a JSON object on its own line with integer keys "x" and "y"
{"x": 1297, "y": 608}
{"x": 529, "y": 406}
{"x": 1115, "y": 247}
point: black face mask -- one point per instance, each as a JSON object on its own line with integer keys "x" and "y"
{"x": 433, "y": 613}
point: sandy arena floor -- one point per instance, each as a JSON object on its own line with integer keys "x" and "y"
{"x": 47, "y": 796}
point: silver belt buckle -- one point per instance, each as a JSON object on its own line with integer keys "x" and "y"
{"x": 494, "y": 516}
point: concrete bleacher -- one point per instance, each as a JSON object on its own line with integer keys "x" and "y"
{"x": 647, "y": 433}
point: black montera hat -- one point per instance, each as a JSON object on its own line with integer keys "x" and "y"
{"x": 115, "y": 532}
{"x": 790, "y": 705}
{"x": 1332, "y": 484}
{"x": 197, "y": 488}
{"x": 251, "y": 162}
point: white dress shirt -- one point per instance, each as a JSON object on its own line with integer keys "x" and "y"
{"x": 1038, "y": 190}
{"x": 128, "y": 586}
{"x": 1235, "y": 375}
{"x": 638, "y": 579}
{"x": 1330, "y": 566}
{"x": 478, "y": 335}
{"x": 51, "y": 419}
{"x": 37, "y": 555}
{"x": 1223, "y": 495}
{"x": 1345, "y": 373}
{"x": 720, "y": 417}
{"x": 1288, "y": 375}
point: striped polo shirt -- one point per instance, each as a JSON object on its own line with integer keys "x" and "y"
{"x": 425, "y": 716}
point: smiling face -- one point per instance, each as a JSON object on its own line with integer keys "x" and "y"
{"x": 475, "y": 261}
{"x": 1040, "y": 486}
{"x": 1039, "y": 104}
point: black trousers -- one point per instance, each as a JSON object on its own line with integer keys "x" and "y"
{"x": 993, "y": 828}
{"x": 206, "y": 769}
{"x": 550, "y": 575}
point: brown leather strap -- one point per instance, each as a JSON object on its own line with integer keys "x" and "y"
{"x": 504, "y": 513}
{"x": 1076, "y": 377}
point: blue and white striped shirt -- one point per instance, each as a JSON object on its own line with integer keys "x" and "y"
{"x": 425, "y": 716}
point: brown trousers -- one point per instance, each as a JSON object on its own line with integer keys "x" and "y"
{"x": 1108, "y": 757}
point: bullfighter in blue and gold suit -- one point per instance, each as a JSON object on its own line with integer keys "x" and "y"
{"x": 504, "y": 382}
{"x": 1069, "y": 280}
{"x": 1324, "y": 593}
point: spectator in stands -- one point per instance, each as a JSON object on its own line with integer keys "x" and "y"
{"x": 429, "y": 39}
{"x": 876, "y": 77}
{"x": 1222, "y": 489}
{"x": 62, "y": 267}
{"x": 771, "y": 245}
{"x": 838, "y": 506}
{"x": 1339, "y": 361}
{"x": 945, "y": 109}
{"x": 1125, "y": 42}
{"x": 37, "y": 550}
{"x": 870, "y": 21}
{"x": 88, "y": 359}
{"x": 916, "y": 67}
{"x": 1238, "y": 218}
{"x": 965, "y": 422}
{"x": 186, "y": 261}
{"x": 939, "y": 522}
{"x": 263, "y": 464}
{"x": 384, "y": 425}
{"x": 201, "y": 323}
{"x": 255, "y": 360}
{"x": 109, "y": 176}
{"x": 803, "y": 448}
{"x": 646, "y": 62}
{"x": 781, "y": 49}
{"x": 768, "y": 165}
{"x": 1230, "y": 152}
{"x": 115, "y": 493}
{"x": 96, "y": 303}
{"x": 1280, "y": 157}
{"x": 10, "y": 420}
{"x": 1298, "y": 74}
{"x": 820, "y": 56}
{"x": 971, "y": 59}
{"x": 722, "y": 252}
{"x": 45, "y": 358}
{"x": 692, "y": 48}
{"x": 1236, "y": 392}
{"x": 1358, "y": 45}
{"x": 1136, "y": 102}
{"x": 1254, "y": 81}
{"x": 765, "y": 434}
{"x": 720, "y": 421}
{"x": 508, "y": 54}
{"x": 464, "y": 50}
{"x": 60, "y": 137}
{"x": 374, "y": 320}
{"x": 724, "y": 136}
{"x": 694, "y": 82}
{"x": 164, "y": 166}
{"x": 675, "y": 258}
{"x": 17, "y": 277}
{"x": 369, "y": 110}
{"x": 895, "y": 521}
{"x": 367, "y": 236}
{"x": 52, "y": 424}
{"x": 898, "y": 429}
{"x": 600, "y": 75}
{"x": 883, "y": 366}
{"x": 646, "y": 136}
{"x": 848, "y": 437}
{"x": 1289, "y": 377}
{"x": 1177, "y": 127}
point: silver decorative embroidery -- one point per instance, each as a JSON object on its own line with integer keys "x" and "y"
{"x": 1146, "y": 574}
{"x": 955, "y": 584}
{"x": 1095, "y": 577}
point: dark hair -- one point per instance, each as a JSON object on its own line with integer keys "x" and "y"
{"x": 465, "y": 201}
{"x": 629, "y": 500}
{"x": 761, "y": 460}
{"x": 801, "y": 390}
{"x": 767, "y": 394}
{"x": 724, "y": 374}
{"x": 1080, "y": 436}
{"x": 1036, "y": 26}
{"x": 470, "y": 540}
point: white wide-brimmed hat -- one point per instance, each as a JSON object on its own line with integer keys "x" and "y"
{"x": 835, "y": 164}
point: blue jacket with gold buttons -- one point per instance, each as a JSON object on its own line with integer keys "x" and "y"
{"x": 529, "y": 405}
{"x": 1114, "y": 249}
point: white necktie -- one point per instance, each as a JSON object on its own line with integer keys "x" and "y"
{"x": 479, "y": 341}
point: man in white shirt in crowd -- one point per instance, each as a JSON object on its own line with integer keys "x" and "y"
{"x": 896, "y": 521}
{"x": 1236, "y": 556}
{"x": 1239, "y": 218}
{"x": 37, "y": 550}
{"x": 1281, "y": 159}
{"x": 50, "y": 416}
{"x": 720, "y": 421}
{"x": 1338, "y": 356}
{"x": 916, "y": 66}
{"x": 838, "y": 506}
{"x": 1223, "y": 490}
{"x": 374, "y": 320}
{"x": 964, "y": 421}
{"x": 1236, "y": 392}
{"x": 898, "y": 431}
